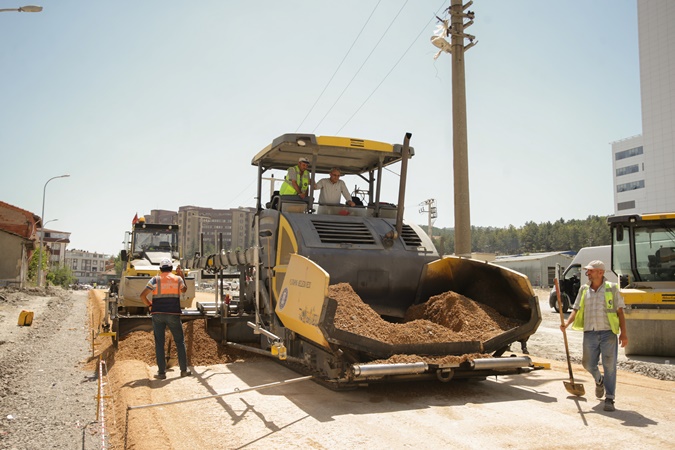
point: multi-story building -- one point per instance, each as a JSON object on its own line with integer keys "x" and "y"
{"x": 87, "y": 267}
{"x": 162, "y": 216}
{"x": 644, "y": 165}
{"x": 55, "y": 243}
{"x": 628, "y": 164}
{"x": 228, "y": 229}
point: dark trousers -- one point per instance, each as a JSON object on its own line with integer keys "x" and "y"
{"x": 159, "y": 324}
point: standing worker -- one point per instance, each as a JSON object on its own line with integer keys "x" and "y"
{"x": 296, "y": 182}
{"x": 165, "y": 309}
{"x": 598, "y": 311}
{"x": 331, "y": 189}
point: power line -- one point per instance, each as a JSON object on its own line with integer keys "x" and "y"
{"x": 392, "y": 69}
{"x": 338, "y": 67}
{"x": 359, "y": 70}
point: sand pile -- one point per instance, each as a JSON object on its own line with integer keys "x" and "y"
{"x": 448, "y": 317}
{"x": 201, "y": 349}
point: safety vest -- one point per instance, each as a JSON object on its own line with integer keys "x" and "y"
{"x": 302, "y": 180}
{"x": 612, "y": 316}
{"x": 166, "y": 294}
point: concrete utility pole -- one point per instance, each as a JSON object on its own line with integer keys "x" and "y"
{"x": 431, "y": 205}
{"x": 459, "y": 131}
{"x": 455, "y": 29}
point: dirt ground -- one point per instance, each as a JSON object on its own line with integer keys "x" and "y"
{"x": 504, "y": 412}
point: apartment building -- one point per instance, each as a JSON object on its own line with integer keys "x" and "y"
{"x": 644, "y": 165}
{"x": 88, "y": 267}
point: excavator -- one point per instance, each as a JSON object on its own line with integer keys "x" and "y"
{"x": 302, "y": 248}
{"x": 643, "y": 256}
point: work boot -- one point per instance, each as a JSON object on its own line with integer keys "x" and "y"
{"x": 160, "y": 376}
{"x": 609, "y": 405}
{"x": 600, "y": 388}
{"x": 185, "y": 373}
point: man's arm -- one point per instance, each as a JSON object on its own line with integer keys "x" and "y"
{"x": 346, "y": 194}
{"x": 570, "y": 319}
{"x": 623, "y": 337}
{"x": 181, "y": 274}
{"x": 144, "y": 296}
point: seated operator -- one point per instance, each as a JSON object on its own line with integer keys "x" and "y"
{"x": 331, "y": 188}
{"x": 296, "y": 182}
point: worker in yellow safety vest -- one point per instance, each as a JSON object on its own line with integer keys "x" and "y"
{"x": 598, "y": 311}
{"x": 296, "y": 182}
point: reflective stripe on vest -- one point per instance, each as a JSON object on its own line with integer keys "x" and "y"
{"x": 168, "y": 285}
{"x": 302, "y": 180}
{"x": 166, "y": 295}
{"x": 612, "y": 316}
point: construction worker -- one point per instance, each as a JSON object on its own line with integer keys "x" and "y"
{"x": 165, "y": 309}
{"x": 598, "y": 311}
{"x": 331, "y": 188}
{"x": 296, "y": 182}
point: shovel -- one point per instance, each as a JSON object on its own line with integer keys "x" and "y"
{"x": 572, "y": 387}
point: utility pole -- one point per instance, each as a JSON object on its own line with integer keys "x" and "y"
{"x": 455, "y": 29}
{"x": 431, "y": 205}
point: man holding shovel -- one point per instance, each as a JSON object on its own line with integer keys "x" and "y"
{"x": 598, "y": 311}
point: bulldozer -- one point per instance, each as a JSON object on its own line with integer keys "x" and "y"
{"x": 643, "y": 256}
{"x": 303, "y": 247}
{"x": 144, "y": 248}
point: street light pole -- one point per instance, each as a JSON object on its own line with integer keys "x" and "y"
{"x": 27, "y": 8}
{"x": 42, "y": 230}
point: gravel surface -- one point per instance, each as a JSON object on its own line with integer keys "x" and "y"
{"x": 48, "y": 382}
{"x": 47, "y": 396}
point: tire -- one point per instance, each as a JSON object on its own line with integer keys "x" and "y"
{"x": 564, "y": 298}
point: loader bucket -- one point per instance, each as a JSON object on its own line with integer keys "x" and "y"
{"x": 503, "y": 289}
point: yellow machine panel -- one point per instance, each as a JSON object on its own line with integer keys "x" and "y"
{"x": 301, "y": 300}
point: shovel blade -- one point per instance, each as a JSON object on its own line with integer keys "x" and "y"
{"x": 574, "y": 388}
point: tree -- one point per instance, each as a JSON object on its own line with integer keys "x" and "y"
{"x": 34, "y": 261}
{"x": 560, "y": 235}
{"x": 119, "y": 264}
{"x": 61, "y": 276}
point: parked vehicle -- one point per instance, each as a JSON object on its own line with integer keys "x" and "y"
{"x": 574, "y": 275}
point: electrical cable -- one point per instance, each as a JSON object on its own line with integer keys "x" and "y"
{"x": 338, "y": 67}
{"x": 390, "y": 70}
{"x": 363, "y": 64}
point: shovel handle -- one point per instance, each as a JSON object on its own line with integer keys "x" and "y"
{"x": 562, "y": 324}
{"x": 560, "y": 308}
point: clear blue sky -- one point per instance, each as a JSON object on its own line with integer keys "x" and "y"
{"x": 159, "y": 104}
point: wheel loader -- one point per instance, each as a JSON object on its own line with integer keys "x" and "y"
{"x": 643, "y": 256}
{"x": 284, "y": 308}
{"x": 144, "y": 248}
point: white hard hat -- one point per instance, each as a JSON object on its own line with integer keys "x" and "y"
{"x": 166, "y": 262}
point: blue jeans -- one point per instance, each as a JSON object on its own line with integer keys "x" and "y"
{"x": 603, "y": 343}
{"x": 159, "y": 324}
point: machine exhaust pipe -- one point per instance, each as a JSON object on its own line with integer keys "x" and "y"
{"x": 405, "y": 155}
